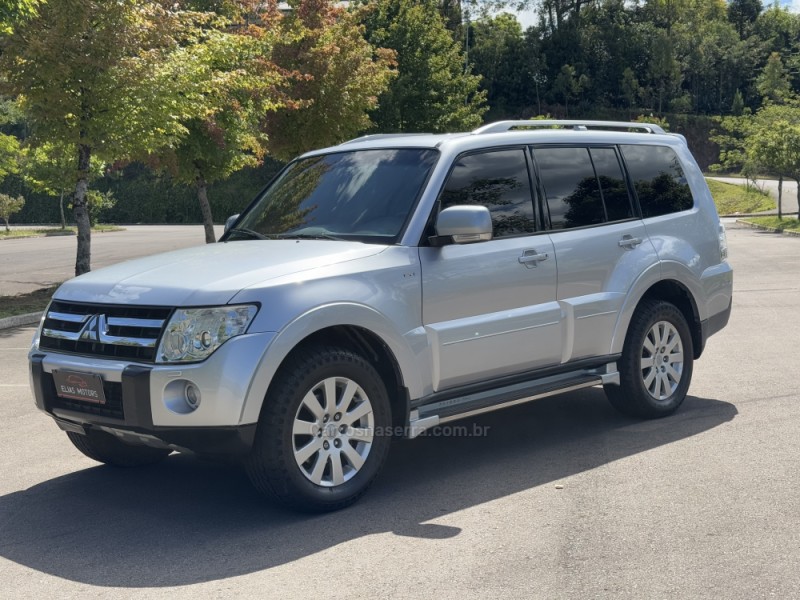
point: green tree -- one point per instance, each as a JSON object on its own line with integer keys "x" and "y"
{"x": 97, "y": 78}
{"x": 339, "y": 77}
{"x": 773, "y": 81}
{"x": 664, "y": 69}
{"x": 629, "y": 86}
{"x": 743, "y": 14}
{"x": 9, "y": 155}
{"x": 50, "y": 169}
{"x": 229, "y": 71}
{"x": 13, "y": 12}
{"x": 568, "y": 85}
{"x": 10, "y": 205}
{"x": 773, "y": 144}
{"x": 432, "y": 91}
{"x": 498, "y": 53}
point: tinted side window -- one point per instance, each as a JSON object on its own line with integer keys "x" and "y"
{"x": 570, "y": 186}
{"x": 658, "y": 179}
{"x": 612, "y": 183}
{"x": 497, "y": 180}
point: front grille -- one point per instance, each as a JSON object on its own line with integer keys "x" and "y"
{"x": 112, "y": 408}
{"x": 108, "y": 330}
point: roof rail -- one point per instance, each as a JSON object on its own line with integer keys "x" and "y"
{"x": 379, "y": 136}
{"x": 501, "y": 126}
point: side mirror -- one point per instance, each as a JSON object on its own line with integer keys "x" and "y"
{"x": 465, "y": 224}
{"x": 230, "y": 221}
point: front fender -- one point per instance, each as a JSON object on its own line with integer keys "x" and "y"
{"x": 408, "y": 348}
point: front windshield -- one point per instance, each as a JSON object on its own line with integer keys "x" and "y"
{"x": 363, "y": 195}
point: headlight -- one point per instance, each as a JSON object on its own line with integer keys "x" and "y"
{"x": 193, "y": 334}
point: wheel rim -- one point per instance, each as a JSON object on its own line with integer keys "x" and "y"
{"x": 662, "y": 360}
{"x": 332, "y": 431}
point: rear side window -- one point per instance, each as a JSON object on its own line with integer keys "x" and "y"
{"x": 658, "y": 179}
{"x": 570, "y": 186}
{"x": 499, "y": 181}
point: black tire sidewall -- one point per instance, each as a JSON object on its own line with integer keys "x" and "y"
{"x": 642, "y": 322}
{"x": 324, "y": 364}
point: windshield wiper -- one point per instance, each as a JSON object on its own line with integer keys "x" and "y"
{"x": 250, "y": 233}
{"x": 309, "y": 236}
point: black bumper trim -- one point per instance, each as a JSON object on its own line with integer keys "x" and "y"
{"x": 207, "y": 441}
{"x": 714, "y": 324}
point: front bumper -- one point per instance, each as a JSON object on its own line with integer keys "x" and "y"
{"x": 140, "y": 398}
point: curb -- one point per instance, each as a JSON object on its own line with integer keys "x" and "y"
{"x": 771, "y": 229}
{"x": 20, "y": 320}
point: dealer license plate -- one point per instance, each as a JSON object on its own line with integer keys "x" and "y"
{"x": 85, "y": 387}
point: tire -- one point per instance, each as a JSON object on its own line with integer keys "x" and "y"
{"x": 322, "y": 437}
{"x": 105, "y": 448}
{"x": 658, "y": 332}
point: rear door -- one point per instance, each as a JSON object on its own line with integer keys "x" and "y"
{"x": 601, "y": 244}
{"x": 490, "y": 308}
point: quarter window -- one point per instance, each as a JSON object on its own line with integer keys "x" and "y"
{"x": 497, "y": 180}
{"x": 658, "y": 179}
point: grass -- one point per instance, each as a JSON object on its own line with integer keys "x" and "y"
{"x": 785, "y": 224}
{"x": 732, "y": 199}
{"x": 48, "y": 232}
{"x": 25, "y": 303}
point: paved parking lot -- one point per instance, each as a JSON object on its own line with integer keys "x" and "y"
{"x": 27, "y": 264}
{"x": 562, "y": 498}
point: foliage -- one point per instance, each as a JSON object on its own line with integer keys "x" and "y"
{"x": 9, "y": 206}
{"x": 98, "y": 202}
{"x": 499, "y": 53}
{"x": 773, "y": 81}
{"x": 432, "y": 91}
{"x": 13, "y": 12}
{"x": 104, "y": 79}
{"x": 9, "y": 155}
{"x": 338, "y": 78}
{"x": 236, "y": 85}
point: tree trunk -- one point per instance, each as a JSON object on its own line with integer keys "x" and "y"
{"x": 81, "y": 212}
{"x": 7, "y": 227}
{"x": 780, "y": 196}
{"x": 205, "y": 208}
{"x": 61, "y": 208}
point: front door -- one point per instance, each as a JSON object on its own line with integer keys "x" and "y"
{"x": 490, "y": 308}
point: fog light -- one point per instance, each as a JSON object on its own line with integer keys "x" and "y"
{"x": 192, "y": 395}
{"x": 182, "y": 396}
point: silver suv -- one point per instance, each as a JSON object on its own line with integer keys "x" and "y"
{"x": 391, "y": 284}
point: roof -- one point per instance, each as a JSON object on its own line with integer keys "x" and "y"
{"x": 504, "y": 133}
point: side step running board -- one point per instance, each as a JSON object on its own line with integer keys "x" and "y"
{"x": 431, "y": 415}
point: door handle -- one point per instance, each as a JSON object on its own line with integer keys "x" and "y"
{"x": 629, "y": 242}
{"x": 530, "y": 258}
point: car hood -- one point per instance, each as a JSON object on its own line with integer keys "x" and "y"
{"x": 208, "y": 275}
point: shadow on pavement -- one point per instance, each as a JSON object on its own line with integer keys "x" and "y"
{"x": 186, "y": 521}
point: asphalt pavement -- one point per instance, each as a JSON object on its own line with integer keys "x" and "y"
{"x": 560, "y": 498}
{"x": 27, "y": 264}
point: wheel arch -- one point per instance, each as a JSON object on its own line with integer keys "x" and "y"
{"x": 365, "y": 332}
{"x": 369, "y": 345}
{"x": 675, "y": 292}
